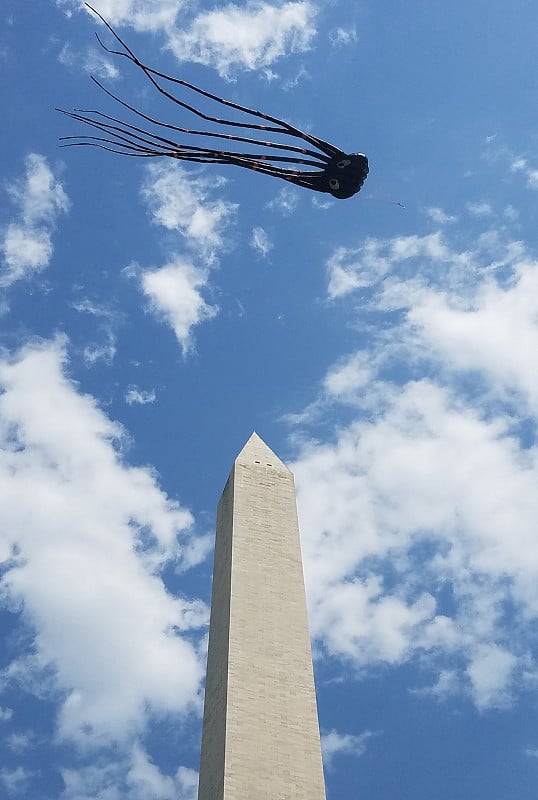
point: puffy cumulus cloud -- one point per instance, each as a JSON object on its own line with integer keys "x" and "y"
{"x": 175, "y": 297}
{"x": 428, "y": 491}
{"x": 419, "y": 513}
{"x": 147, "y": 782}
{"x": 251, "y": 37}
{"x": 335, "y": 744}
{"x": 490, "y": 673}
{"x": 181, "y": 202}
{"x": 27, "y": 240}
{"x": 133, "y": 777}
{"x": 84, "y": 537}
{"x": 494, "y": 333}
{"x": 230, "y": 37}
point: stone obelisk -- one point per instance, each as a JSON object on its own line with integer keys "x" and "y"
{"x": 260, "y": 737}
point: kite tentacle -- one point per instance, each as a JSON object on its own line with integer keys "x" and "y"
{"x": 213, "y": 134}
{"x": 125, "y": 133}
{"x": 336, "y": 172}
{"x": 283, "y": 127}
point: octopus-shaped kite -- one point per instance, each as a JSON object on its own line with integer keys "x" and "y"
{"x": 340, "y": 174}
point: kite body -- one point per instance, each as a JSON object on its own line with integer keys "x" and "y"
{"x": 321, "y": 166}
{"x": 344, "y": 175}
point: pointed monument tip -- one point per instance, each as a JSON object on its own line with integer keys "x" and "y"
{"x": 256, "y": 451}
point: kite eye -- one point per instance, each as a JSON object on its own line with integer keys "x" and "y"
{"x": 344, "y": 163}
{"x": 334, "y": 184}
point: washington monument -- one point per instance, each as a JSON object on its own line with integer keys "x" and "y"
{"x": 260, "y": 738}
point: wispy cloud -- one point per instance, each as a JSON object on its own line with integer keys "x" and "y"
{"x": 108, "y": 320}
{"x": 39, "y": 198}
{"x": 261, "y": 242}
{"x": 139, "y": 397}
{"x": 343, "y": 37}
{"x": 93, "y": 61}
{"x": 530, "y": 173}
{"x": 439, "y": 216}
{"x": 159, "y": 15}
{"x": 15, "y": 781}
{"x": 285, "y": 202}
{"x": 481, "y": 209}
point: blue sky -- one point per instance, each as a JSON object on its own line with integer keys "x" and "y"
{"x": 153, "y": 315}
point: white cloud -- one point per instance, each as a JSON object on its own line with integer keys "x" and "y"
{"x": 334, "y": 743}
{"x": 93, "y": 353}
{"x": 15, "y": 781}
{"x": 107, "y": 322}
{"x": 187, "y": 783}
{"x": 399, "y": 483}
{"x": 495, "y": 335}
{"x": 174, "y": 294}
{"x": 285, "y": 202}
{"x": 260, "y": 242}
{"x": 252, "y": 37}
{"x": 93, "y": 61}
{"x": 292, "y": 82}
{"x": 19, "y": 742}
{"x": 158, "y": 15}
{"x": 351, "y": 269}
{"x": 133, "y": 777}
{"x": 510, "y": 213}
{"x": 85, "y": 537}
{"x": 140, "y": 397}
{"x": 480, "y": 209}
{"x": 181, "y": 202}
{"x": 439, "y": 216}
{"x": 40, "y": 196}
{"x": 27, "y": 240}
{"x": 146, "y": 779}
{"x": 342, "y": 37}
{"x": 490, "y": 672}
{"x": 531, "y": 173}
{"x": 5, "y": 714}
{"x": 431, "y": 481}
{"x": 417, "y": 261}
